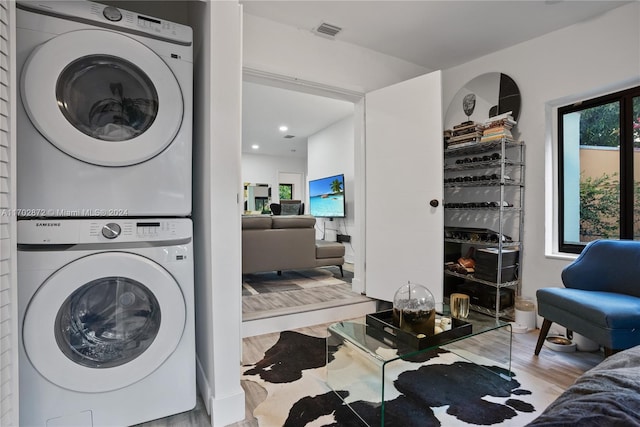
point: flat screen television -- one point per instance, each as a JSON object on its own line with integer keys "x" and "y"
{"x": 326, "y": 197}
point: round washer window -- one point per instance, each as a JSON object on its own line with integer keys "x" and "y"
{"x": 107, "y": 322}
{"x": 107, "y": 98}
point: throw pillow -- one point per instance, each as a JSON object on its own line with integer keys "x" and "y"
{"x": 289, "y": 208}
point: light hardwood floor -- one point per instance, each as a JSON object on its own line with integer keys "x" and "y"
{"x": 560, "y": 369}
{"x": 557, "y": 368}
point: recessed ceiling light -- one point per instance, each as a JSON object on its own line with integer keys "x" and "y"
{"x": 255, "y": 146}
{"x": 284, "y": 128}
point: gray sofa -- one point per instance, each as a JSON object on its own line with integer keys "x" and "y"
{"x": 606, "y": 395}
{"x": 276, "y": 243}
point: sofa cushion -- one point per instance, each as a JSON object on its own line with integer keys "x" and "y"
{"x": 278, "y": 249}
{"x": 609, "y": 319}
{"x": 604, "y": 309}
{"x": 293, "y": 221}
{"x": 326, "y": 249}
{"x": 256, "y": 222}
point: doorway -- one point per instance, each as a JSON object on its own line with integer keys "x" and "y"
{"x": 319, "y": 140}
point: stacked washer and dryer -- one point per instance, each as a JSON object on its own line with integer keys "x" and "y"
{"x": 105, "y": 255}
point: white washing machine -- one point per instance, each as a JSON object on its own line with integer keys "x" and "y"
{"x": 105, "y": 112}
{"x": 106, "y": 315}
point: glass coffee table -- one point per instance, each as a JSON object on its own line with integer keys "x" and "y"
{"x": 362, "y": 365}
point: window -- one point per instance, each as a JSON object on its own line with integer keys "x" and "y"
{"x": 599, "y": 174}
{"x": 285, "y": 191}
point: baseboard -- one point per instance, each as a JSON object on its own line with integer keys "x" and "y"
{"x": 228, "y": 410}
{"x": 223, "y": 411}
{"x": 308, "y": 318}
{"x": 357, "y": 285}
{"x": 203, "y": 385}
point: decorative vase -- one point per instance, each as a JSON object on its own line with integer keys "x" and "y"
{"x": 414, "y": 309}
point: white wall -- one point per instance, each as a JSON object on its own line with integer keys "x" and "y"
{"x": 596, "y": 55}
{"x": 587, "y": 58}
{"x": 217, "y": 204}
{"x": 301, "y": 56}
{"x": 289, "y": 51}
{"x": 331, "y": 152}
{"x": 263, "y": 169}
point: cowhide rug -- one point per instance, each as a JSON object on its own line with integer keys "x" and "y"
{"x": 443, "y": 390}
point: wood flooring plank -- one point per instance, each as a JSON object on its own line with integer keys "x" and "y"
{"x": 301, "y": 300}
{"x": 560, "y": 369}
{"x": 556, "y": 368}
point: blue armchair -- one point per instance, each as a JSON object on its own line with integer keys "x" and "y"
{"x": 601, "y": 297}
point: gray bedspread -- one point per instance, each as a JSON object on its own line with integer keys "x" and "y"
{"x": 607, "y": 395}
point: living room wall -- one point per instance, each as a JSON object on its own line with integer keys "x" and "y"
{"x": 300, "y": 55}
{"x": 564, "y": 66}
{"x": 276, "y": 48}
{"x": 331, "y": 152}
{"x": 264, "y": 169}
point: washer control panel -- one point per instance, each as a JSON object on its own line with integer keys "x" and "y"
{"x": 102, "y": 230}
{"x": 113, "y": 17}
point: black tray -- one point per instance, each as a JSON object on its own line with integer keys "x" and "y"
{"x": 382, "y": 328}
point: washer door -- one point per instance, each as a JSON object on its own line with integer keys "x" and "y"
{"x": 103, "y": 322}
{"x": 102, "y": 97}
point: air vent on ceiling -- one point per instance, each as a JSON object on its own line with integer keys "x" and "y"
{"x": 289, "y": 136}
{"x": 327, "y": 30}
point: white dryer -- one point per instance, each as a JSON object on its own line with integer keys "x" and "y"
{"x": 106, "y": 315}
{"x": 105, "y": 112}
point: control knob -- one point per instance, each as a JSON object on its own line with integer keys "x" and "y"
{"x": 112, "y": 13}
{"x": 111, "y": 230}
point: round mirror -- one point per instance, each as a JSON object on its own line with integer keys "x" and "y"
{"x": 485, "y": 96}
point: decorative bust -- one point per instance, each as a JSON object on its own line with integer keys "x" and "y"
{"x": 469, "y": 104}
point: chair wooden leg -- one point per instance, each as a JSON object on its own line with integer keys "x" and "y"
{"x": 341, "y": 272}
{"x": 544, "y": 330}
{"x": 609, "y": 351}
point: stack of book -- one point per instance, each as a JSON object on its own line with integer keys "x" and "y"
{"x": 498, "y": 128}
{"x": 464, "y": 134}
{"x": 447, "y": 134}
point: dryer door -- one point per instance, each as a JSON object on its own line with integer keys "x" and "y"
{"x": 102, "y": 97}
{"x": 103, "y": 322}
